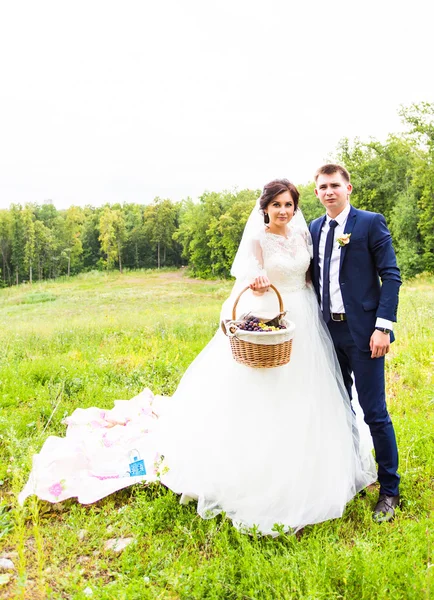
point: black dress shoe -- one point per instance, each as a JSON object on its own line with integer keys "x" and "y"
{"x": 385, "y": 508}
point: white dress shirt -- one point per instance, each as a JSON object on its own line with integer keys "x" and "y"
{"x": 336, "y": 300}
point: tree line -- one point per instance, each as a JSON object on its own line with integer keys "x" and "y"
{"x": 395, "y": 178}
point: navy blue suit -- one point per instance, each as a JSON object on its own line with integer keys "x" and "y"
{"x": 368, "y": 258}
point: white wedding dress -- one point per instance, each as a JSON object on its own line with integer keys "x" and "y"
{"x": 268, "y": 447}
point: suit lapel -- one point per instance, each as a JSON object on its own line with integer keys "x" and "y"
{"x": 348, "y": 229}
{"x": 317, "y": 235}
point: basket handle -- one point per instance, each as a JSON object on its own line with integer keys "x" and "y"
{"x": 279, "y": 297}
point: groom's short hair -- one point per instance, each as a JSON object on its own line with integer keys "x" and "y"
{"x": 331, "y": 168}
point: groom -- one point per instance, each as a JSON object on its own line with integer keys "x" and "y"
{"x": 352, "y": 252}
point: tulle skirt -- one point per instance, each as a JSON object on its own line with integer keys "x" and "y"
{"x": 272, "y": 448}
{"x": 268, "y": 447}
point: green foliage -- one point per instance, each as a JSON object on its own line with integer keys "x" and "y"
{"x": 403, "y": 223}
{"x": 210, "y": 231}
{"x": 309, "y": 203}
{"x": 18, "y": 241}
{"x": 420, "y": 118}
{"x": 138, "y": 251}
{"x": 229, "y": 228}
{"x": 112, "y": 236}
{"x": 6, "y": 524}
{"x": 72, "y": 245}
{"x": 106, "y": 336}
{"x": 160, "y": 223}
{"x": 29, "y": 247}
{"x": 44, "y": 248}
{"x": 397, "y": 179}
{"x": 5, "y": 246}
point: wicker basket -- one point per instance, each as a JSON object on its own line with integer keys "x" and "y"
{"x": 260, "y": 350}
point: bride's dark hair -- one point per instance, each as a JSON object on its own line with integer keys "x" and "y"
{"x": 276, "y": 187}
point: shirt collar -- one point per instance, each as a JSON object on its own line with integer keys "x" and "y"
{"x": 342, "y": 217}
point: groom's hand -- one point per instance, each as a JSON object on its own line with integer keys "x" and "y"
{"x": 379, "y": 344}
{"x": 260, "y": 284}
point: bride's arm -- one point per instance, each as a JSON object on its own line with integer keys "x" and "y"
{"x": 261, "y": 283}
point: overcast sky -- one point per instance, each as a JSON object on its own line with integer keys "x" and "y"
{"x": 110, "y": 101}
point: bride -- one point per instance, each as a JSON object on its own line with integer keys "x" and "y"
{"x": 273, "y": 449}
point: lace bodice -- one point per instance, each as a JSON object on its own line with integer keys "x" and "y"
{"x": 285, "y": 260}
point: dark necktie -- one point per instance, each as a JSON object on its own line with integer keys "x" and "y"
{"x": 326, "y": 271}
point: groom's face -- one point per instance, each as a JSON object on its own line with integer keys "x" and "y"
{"x": 334, "y": 192}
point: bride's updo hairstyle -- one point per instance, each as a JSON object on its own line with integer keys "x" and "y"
{"x": 273, "y": 189}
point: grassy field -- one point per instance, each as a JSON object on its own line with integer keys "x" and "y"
{"x": 96, "y": 338}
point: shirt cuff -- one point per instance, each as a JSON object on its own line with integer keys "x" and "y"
{"x": 384, "y": 323}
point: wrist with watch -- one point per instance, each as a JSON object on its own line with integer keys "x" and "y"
{"x": 384, "y": 330}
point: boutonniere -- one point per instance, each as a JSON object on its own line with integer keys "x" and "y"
{"x": 343, "y": 240}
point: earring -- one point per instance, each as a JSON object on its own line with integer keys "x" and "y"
{"x": 266, "y": 218}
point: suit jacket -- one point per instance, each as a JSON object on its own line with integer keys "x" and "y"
{"x": 368, "y": 258}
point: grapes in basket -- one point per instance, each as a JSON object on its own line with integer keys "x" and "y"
{"x": 256, "y": 324}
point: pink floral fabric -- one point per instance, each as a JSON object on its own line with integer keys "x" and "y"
{"x": 100, "y": 453}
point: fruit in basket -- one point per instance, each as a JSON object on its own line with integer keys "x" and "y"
{"x": 256, "y": 324}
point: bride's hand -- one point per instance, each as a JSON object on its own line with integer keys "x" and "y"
{"x": 260, "y": 284}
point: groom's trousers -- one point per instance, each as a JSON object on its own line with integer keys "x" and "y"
{"x": 370, "y": 385}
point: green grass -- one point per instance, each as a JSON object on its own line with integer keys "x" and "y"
{"x": 95, "y": 338}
